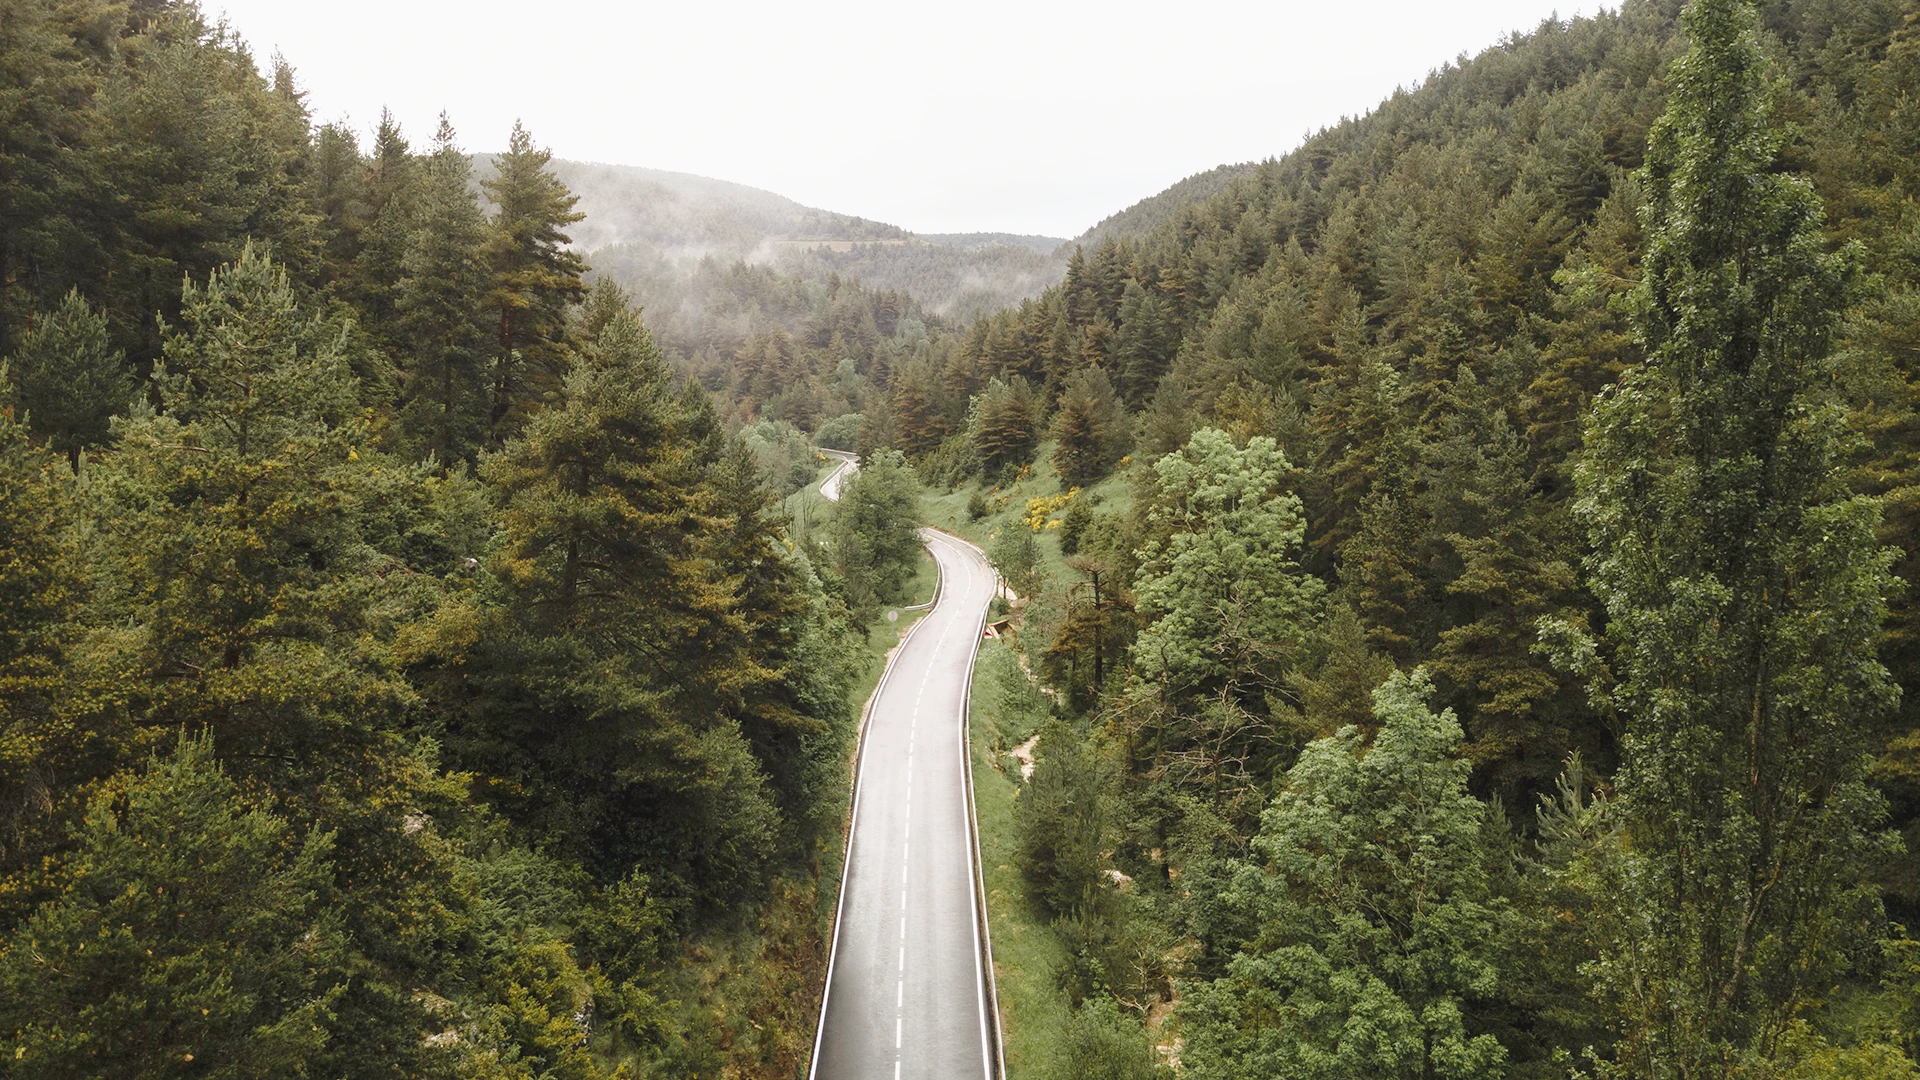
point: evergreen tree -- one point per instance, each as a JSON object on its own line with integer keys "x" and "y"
{"x": 601, "y": 677}
{"x": 536, "y": 279}
{"x": 337, "y": 179}
{"x": 72, "y": 379}
{"x": 392, "y": 193}
{"x": 248, "y": 592}
{"x": 38, "y": 592}
{"x": 1516, "y": 564}
{"x": 203, "y": 156}
{"x": 603, "y": 496}
{"x": 197, "y": 939}
{"x": 920, "y": 427}
{"x": 1743, "y": 585}
{"x": 239, "y": 531}
{"x": 1004, "y": 426}
{"x": 1144, "y": 342}
{"x": 1059, "y": 829}
{"x": 44, "y": 242}
{"x": 1339, "y": 691}
{"x": 1088, "y": 426}
{"x": 443, "y": 391}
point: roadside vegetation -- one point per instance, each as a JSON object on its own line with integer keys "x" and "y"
{"x": 1498, "y": 665}
{"x": 1465, "y": 616}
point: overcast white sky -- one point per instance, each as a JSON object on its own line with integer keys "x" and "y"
{"x": 1031, "y": 116}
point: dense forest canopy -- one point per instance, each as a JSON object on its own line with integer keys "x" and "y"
{"x": 1468, "y": 599}
{"x": 403, "y": 672}
{"x": 1491, "y": 650}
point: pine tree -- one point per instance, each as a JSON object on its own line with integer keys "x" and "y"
{"x": 1515, "y": 564}
{"x": 392, "y": 193}
{"x": 1088, "y": 426}
{"x": 203, "y": 155}
{"x": 1004, "y": 426}
{"x": 197, "y": 937}
{"x": 1743, "y": 585}
{"x": 920, "y": 427}
{"x": 337, "y": 179}
{"x": 38, "y": 592}
{"x": 248, "y": 532}
{"x": 604, "y": 674}
{"x": 602, "y": 497}
{"x": 443, "y": 392}
{"x": 1058, "y": 827}
{"x": 1143, "y": 344}
{"x": 44, "y": 244}
{"x": 536, "y": 279}
{"x": 236, "y": 523}
{"x": 72, "y": 379}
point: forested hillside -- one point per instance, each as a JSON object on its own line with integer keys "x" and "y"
{"x": 674, "y": 241}
{"x": 1468, "y": 614}
{"x": 1144, "y": 216}
{"x": 402, "y": 671}
{"x": 1476, "y": 605}
{"x": 686, "y": 216}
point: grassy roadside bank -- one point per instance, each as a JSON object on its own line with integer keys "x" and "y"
{"x": 1036, "y": 494}
{"x": 1034, "y": 1012}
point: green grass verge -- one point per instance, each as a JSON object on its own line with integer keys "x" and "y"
{"x": 1026, "y": 952}
{"x": 807, "y": 508}
{"x": 1008, "y": 506}
{"x": 886, "y": 633}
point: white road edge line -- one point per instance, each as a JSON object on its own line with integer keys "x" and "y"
{"x": 982, "y": 952}
{"x": 853, "y": 815}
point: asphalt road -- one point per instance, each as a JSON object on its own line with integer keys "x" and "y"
{"x": 830, "y": 487}
{"x": 908, "y": 996}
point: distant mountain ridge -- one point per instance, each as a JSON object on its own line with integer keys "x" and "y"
{"x": 647, "y": 227}
{"x": 683, "y": 214}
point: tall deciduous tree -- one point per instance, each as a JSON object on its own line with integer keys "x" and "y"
{"x": 1227, "y": 612}
{"x": 875, "y": 546}
{"x": 1222, "y": 593}
{"x": 1370, "y": 917}
{"x": 1743, "y": 585}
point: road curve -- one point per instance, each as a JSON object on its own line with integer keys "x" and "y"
{"x": 908, "y": 994}
{"x": 849, "y": 464}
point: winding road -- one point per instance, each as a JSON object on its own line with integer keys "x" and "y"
{"x": 909, "y": 988}
{"x": 849, "y": 464}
